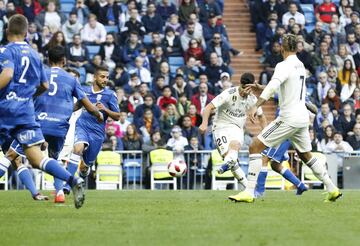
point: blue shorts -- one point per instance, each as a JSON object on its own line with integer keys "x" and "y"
{"x": 93, "y": 144}
{"x": 55, "y": 145}
{"x": 278, "y": 154}
{"x": 29, "y": 134}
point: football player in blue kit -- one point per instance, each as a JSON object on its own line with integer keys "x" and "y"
{"x": 54, "y": 108}
{"x": 89, "y": 134}
{"x": 21, "y": 78}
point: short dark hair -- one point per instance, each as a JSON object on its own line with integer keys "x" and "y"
{"x": 166, "y": 87}
{"x": 247, "y": 78}
{"x": 18, "y": 25}
{"x": 289, "y": 42}
{"x": 73, "y": 70}
{"x": 101, "y": 68}
{"x": 56, "y": 54}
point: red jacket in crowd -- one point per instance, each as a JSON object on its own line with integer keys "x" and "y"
{"x": 195, "y": 99}
{"x": 162, "y": 102}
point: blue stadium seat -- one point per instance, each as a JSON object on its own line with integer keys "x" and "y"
{"x": 147, "y": 39}
{"x": 93, "y": 50}
{"x": 132, "y": 169}
{"x": 309, "y": 27}
{"x": 67, "y": 1}
{"x": 114, "y": 29}
{"x": 173, "y": 70}
{"x": 67, "y": 7}
{"x": 176, "y": 61}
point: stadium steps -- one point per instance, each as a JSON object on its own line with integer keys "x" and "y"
{"x": 238, "y": 24}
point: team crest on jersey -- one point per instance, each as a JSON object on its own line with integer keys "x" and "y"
{"x": 98, "y": 97}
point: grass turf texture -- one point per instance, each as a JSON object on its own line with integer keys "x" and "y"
{"x": 180, "y": 218}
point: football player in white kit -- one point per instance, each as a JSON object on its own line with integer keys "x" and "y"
{"x": 231, "y": 107}
{"x": 292, "y": 123}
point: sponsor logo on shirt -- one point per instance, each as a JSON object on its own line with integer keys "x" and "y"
{"x": 12, "y": 96}
{"x": 237, "y": 113}
{"x": 44, "y": 116}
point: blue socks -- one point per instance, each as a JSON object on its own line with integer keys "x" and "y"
{"x": 288, "y": 175}
{"x": 26, "y": 178}
{"x": 72, "y": 167}
{"x": 4, "y": 165}
{"x": 260, "y": 187}
{"x": 54, "y": 168}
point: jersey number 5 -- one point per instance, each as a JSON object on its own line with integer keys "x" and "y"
{"x": 25, "y": 61}
{"x": 52, "y": 82}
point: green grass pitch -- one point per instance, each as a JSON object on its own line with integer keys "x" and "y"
{"x": 180, "y": 218}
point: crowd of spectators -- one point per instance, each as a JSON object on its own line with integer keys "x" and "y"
{"x": 330, "y": 51}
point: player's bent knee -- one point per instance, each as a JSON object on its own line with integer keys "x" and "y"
{"x": 78, "y": 149}
{"x": 11, "y": 155}
{"x": 234, "y": 145}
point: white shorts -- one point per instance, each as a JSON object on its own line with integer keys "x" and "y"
{"x": 278, "y": 131}
{"x": 223, "y": 136}
{"x": 65, "y": 153}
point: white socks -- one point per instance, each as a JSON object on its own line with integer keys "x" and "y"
{"x": 231, "y": 156}
{"x": 255, "y": 165}
{"x": 320, "y": 172}
{"x": 4, "y": 164}
{"x": 240, "y": 176}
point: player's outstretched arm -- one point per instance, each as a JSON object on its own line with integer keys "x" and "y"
{"x": 311, "y": 107}
{"x": 205, "y": 117}
{"x": 5, "y": 77}
{"x": 92, "y": 109}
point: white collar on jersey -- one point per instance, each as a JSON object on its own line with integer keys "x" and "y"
{"x": 20, "y": 42}
{"x": 96, "y": 92}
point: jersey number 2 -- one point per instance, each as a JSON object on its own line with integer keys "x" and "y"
{"x": 302, "y": 78}
{"x": 25, "y": 61}
{"x": 52, "y": 82}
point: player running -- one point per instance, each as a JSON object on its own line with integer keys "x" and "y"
{"x": 23, "y": 77}
{"x": 228, "y": 126}
{"x": 292, "y": 123}
{"x": 89, "y": 135}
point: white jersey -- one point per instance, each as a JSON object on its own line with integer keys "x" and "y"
{"x": 231, "y": 108}
{"x": 69, "y": 140}
{"x": 292, "y": 75}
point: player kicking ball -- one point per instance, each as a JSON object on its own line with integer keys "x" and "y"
{"x": 228, "y": 127}
{"x": 89, "y": 134}
{"x": 22, "y": 78}
{"x": 292, "y": 123}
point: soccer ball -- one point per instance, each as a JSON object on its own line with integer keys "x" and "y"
{"x": 177, "y": 168}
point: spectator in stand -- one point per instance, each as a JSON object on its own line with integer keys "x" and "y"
{"x": 353, "y": 48}
{"x": 30, "y": 9}
{"x": 323, "y": 86}
{"x": 77, "y": 53}
{"x": 174, "y": 24}
{"x": 180, "y": 86}
{"x": 344, "y": 73}
{"x": 133, "y": 25}
{"x": 332, "y": 49}
{"x": 143, "y": 89}
{"x": 355, "y": 99}
{"x": 337, "y": 38}
{"x": 346, "y": 121}
{"x": 171, "y": 43}
{"x": 156, "y": 142}
{"x": 34, "y": 36}
{"x": 165, "y": 9}
{"x": 194, "y": 158}
{"x": 58, "y": 39}
{"x": 218, "y": 46}
{"x": 198, "y": 29}
{"x": 148, "y": 104}
{"x": 157, "y": 86}
{"x": 357, "y": 32}
{"x": 109, "y": 14}
{"x": 71, "y": 27}
{"x": 147, "y": 124}
{"x": 125, "y": 15}
{"x": 166, "y": 98}
{"x": 156, "y": 59}
{"x": 186, "y": 8}
{"x": 329, "y": 132}
{"x": 345, "y": 18}
{"x": 120, "y": 76}
{"x": 189, "y": 34}
{"x": 94, "y": 32}
{"x": 110, "y": 52}
{"x": 45, "y": 36}
{"x": 215, "y": 68}
{"x": 50, "y": 17}
{"x": 188, "y": 130}
{"x": 134, "y": 82}
{"x": 315, "y": 35}
{"x": 333, "y": 79}
{"x": 82, "y": 11}
{"x": 191, "y": 71}
{"x": 324, "y": 114}
{"x": 333, "y": 100}
{"x": 155, "y": 42}
{"x": 131, "y": 49}
{"x": 195, "y": 117}
{"x": 202, "y": 98}
{"x": 168, "y": 120}
{"x": 212, "y": 26}
{"x": 124, "y": 122}
{"x": 354, "y": 140}
{"x": 195, "y": 50}
{"x": 325, "y": 11}
{"x": 324, "y": 50}
{"x": 304, "y": 56}
{"x": 208, "y": 7}
{"x": 350, "y": 28}
{"x": 315, "y": 143}
{"x": 293, "y": 13}
{"x": 142, "y": 73}
{"x": 177, "y": 143}
{"x": 348, "y": 89}
{"x": 342, "y": 56}
{"x": 135, "y": 100}
{"x": 183, "y": 104}
{"x": 324, "y": 67}
{"x": 223, "y": 84}
{"x": 270, "y": 62}
{"x": 152, "y": 21}
{"x": 132, "y": 140}
{"x": 165, "y": 72}
{"x": 112, "y": 142}
{"x": 338, "y": 144}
